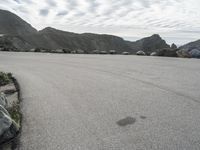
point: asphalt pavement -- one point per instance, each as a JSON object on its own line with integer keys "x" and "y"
{"x": 107, "y": 102}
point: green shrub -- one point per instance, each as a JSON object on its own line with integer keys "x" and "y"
{"x": 4, "y": 78}
{"x": 14, "y": 112}
{"x": 37, "y": 50}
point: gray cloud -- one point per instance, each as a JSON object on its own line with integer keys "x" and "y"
{"x": 71, "y": 4}
{"x": 51, "y": 3}
{"x": 18, "y": 1}
{"x": 145, "y": 3}
{"x": 62, "y": 13}
{"x": 44, "y": 12}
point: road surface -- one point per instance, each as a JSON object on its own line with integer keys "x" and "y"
{"x": 107, "y": 102}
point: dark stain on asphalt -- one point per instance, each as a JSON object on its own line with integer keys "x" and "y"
{"x": 143, "y": 117}
{"x": 126, "y": 121}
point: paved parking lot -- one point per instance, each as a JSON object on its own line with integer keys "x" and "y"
{"x": 107, "y": 102}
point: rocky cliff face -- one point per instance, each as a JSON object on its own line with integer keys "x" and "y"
{"x": 23, "y": 36}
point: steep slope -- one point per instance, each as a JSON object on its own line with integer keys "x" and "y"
{"x": 11, "y": 24}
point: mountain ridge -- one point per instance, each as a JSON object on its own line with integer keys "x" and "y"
{"x": 24, "y": 37}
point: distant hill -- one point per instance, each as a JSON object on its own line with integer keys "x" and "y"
{"x": 51, "y": 38}
{"x": 191, "y": 45}
{"x": 192, "y": 48}
{"x": 23, "y": 36}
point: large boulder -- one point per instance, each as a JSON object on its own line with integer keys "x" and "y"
{"x": 103, "y": 52}
{"x": 8, "y": 128}
{"x": 80, "y": 51}
{"x": 141, "y": 53}
{"x": 112, "y": 52}
{"x": 10, "y": 133}
{"x": 5, "y": 121}
{"x": 125, "y": 53}
{"x": 154, "y": 54}
{"x": 57, "y": 51}
{"x": 95, "y": 52}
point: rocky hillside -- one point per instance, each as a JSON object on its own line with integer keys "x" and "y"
{"x": 23, "y": 36}
{"x": 149, "y": 44}
{"x": 192, "y": 49}
{"x": 192, "y": 45}
{"x": 11, "y": 24}
{"x": 51, "y": 38}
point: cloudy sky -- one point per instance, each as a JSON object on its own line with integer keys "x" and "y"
{"x": 175, "y": 20}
